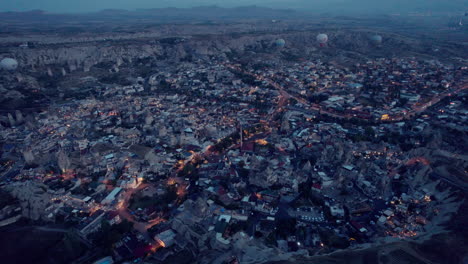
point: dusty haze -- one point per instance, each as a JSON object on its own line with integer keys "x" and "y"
{"x": 336, "y": 6}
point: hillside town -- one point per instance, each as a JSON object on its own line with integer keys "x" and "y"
{"x": 221, "y": 161}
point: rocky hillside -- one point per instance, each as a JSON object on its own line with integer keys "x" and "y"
{"x": 44, "y": 67}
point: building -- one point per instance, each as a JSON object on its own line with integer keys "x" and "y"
{"x": 166, "y": 238}
{"x": 106, "y": 260}
{"x": 112, "y": 195}
{"x": 93, "y": 223}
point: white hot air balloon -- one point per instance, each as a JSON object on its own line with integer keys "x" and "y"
{"x": 8, "y": 64}
{"x": 280, "y": 42}
{"x": 322, "y": 39}
{"x": 376, "y": 39}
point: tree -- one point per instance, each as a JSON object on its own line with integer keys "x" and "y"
{"x": 124, "y": 227}
{"x": 170, "y": 195}
{"x": 286, "y": 226}
{"x": 369, "y": 132}
{"x": 293, "y": 101}
{"x": 271, "y": 239}
{"x": 333, "y": 240}
{"x": 402, "y": 102}
{"x": 6, "y": 198}
{"x": 189, "y": 168}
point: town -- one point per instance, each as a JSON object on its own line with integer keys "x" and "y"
{"x": 213, "y": 156}
{"x": 237, "y": 157}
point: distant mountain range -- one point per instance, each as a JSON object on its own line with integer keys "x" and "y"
{"x": 295, "y": 9}
{"x": 332, "y": 6}
{"x": 369, "y": 6}
{"x": 157, "y": 14}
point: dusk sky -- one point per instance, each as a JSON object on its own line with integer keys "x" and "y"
{"x": 322, "y": 5}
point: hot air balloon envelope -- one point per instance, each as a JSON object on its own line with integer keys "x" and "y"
{"x": 377, "y": 39}
{"x": 280, "y": 42}
{"x": 9, "y": 64}
{"x": 322, "y": 39}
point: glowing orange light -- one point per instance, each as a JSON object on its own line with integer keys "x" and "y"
{"x": 162, "y": 243}
{"x": 261, "y": 142}
{"x": 385, "y": 117}
{"x": 94, "y": 210}
{"x": 121, "y": 204}
{"x": 171, "y": 181}
{"x": 427, "y": 198}
{"x": 67, "y": 175}
{"x": 156, "y": 246}
{"x": 181, "y": 191}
